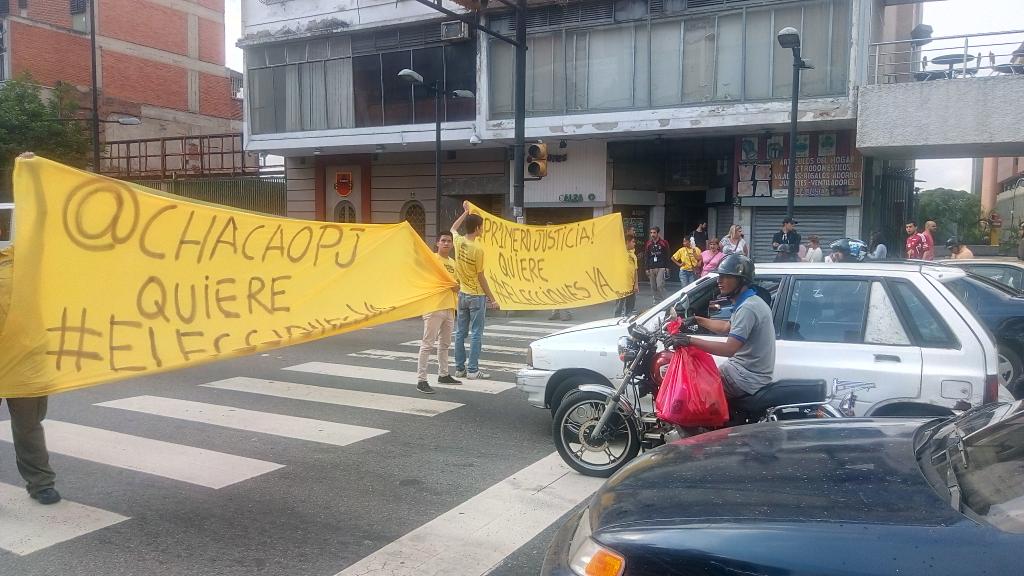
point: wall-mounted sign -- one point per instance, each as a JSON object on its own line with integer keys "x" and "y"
{"x": 343, "y": 183}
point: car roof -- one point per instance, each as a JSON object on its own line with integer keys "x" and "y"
{"x": 984, "y": 261}
{"x": 861, "y": 268}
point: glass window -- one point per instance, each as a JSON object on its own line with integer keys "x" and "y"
{"x": 416, "y": 216}
{"x": 339, "y": 93}
{"x": 292, "y": 91}
{"x": 642, "y": 68}
{"x": 782, "y": 58}
{"x": 1008, "y": 275}
{"x": 666, "y": 63}
{"x": 261, "y": 100}
{"x": 814, "y": 47}
{"x": 545, "y": 64}
{"x": 757, "y": 62}
{"x": 296, "y": 52}
{"x": 928, "y": 328}
{"x": 369, "y": 110}
{"x": 502, "y": 66}
{"x": 397, "y": 92}
{"x": 609, "y": 68}
{"x": 827, "y": 311}
{"x": 698, "y": 59}
{"x": 576, "y": 50}
{"x": 429, "y": 64}
{"x": 314, "y": 96}
{"x": 728, "y": 58}
{"x": 344, "y": 211}
{"x": 460, "y": 74}
{"x": 839, "y": 69}
{"x": 883, "y": 325}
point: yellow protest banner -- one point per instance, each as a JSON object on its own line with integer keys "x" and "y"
{"x": 558, "y": 266}
{"x": 112, "y": 280}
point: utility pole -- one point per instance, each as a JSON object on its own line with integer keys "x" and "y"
{"x": 95, "y": 91}
{"x": 519, "y": 153}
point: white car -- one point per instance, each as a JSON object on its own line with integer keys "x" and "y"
{"x": 894, "y": 325}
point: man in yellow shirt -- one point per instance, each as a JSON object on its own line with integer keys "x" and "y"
{"x": 437, "y": 327}
{"x": 625, "y": 305}
{"x": 689, "y": 262}
{"x": 474, "y": 294}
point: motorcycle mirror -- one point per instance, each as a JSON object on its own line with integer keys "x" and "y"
{"x": 682, "y": 308}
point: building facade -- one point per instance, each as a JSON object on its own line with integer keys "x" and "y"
{"x": 161, "y": 61}
{"x": 672, "y": 112}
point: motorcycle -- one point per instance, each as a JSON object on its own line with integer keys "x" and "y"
{"x": 598, "y": 429}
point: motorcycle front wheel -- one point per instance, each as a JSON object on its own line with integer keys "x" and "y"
{"x": 575, "y": 421}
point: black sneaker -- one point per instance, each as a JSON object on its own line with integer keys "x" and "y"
{"x": 47, "y": 496}
{"x": 448, "y": 380}
{"x": 424, "y": 386}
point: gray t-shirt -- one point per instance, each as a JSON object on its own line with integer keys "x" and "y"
{"x": 752, "y": 366}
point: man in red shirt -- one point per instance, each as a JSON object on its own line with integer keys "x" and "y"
{"x": 929, "y": 235}
{"x": 917, "y": 242}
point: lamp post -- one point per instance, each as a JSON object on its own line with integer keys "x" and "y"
{"x": 95, "y": 90}
{"x": 790, "y": 38}
{"x": 416, "y": 79}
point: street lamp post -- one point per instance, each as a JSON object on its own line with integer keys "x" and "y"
{"x": 790, "y": 38}
{"x": 95, "y": 91}
{"x": 416, "y": 79}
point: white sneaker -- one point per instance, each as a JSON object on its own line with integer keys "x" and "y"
{"x": 478, "y": 376}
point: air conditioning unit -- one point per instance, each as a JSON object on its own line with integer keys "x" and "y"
{"x": 454, "y": 30}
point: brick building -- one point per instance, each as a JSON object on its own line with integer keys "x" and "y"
{"x": 159, "y": 60}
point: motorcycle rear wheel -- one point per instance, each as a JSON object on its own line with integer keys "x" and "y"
{"x": 576, "y": 418}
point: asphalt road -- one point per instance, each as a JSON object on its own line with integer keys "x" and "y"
{"x": 280, "y": 463}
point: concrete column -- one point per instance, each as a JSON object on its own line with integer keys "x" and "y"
{"x": 989, "y": 185}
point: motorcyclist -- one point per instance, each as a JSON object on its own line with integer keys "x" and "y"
{"x": 750, "y": 346}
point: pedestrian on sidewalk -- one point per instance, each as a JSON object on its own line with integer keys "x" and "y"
{"x": 475, "y": 295}
{"x": 734, "y": 242}
{"x": 930, "y": 228}
{"x": 917, "y": 242}
{"x": 711, "y": 257}
{"x": 624, "y": 306}
{"x": 689, "y": 262}
{"x": 27, "y": 415}
{"x": 786, "y": 242}
{"x": 437, "y": 327}
{"x": 814, "y": 253}
{"x": 699, "y": 238}
{"x": 656, "y": 262}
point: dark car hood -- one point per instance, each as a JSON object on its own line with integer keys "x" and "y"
{"x": 835, "y": 470}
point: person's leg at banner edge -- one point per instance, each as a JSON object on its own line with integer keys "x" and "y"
{"x": 477, "y": 316}
{"x": 462, "y": 330}
{"x": 27, "y": 415}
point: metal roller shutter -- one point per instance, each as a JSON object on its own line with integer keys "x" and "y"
{"x": 829, "y": 223}
{"x": 723, "y": 219}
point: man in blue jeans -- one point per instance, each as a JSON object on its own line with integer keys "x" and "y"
{"x": 474, "y": 294}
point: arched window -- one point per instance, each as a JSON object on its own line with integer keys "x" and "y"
{"x": 344, "y": 211}
{"x": 416, "y": 216}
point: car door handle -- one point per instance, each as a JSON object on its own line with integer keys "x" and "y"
{"x": 887, "y": 358}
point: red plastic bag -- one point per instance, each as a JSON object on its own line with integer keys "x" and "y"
{"x": 692, "y": 394}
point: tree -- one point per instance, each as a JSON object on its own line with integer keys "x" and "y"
{"x": 29, "y": 122}
{"x": 955, "y": 211}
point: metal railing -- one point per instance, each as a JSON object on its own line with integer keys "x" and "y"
{"x": 266, "y": 193}
{"x": 947, "y": 57}
{"x": 178, "y": 156}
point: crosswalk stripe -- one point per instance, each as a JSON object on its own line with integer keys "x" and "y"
{"x": 336, "y": 396}
{"x": 396, "y": 377}
{"x": 27, "y": 527}
{"x": 520, "y": 329}
{"x": 473, "y": 537}
{"x": 551, "y": 324}
{"x": 507, "y": 336}
{"x": 518, "y": 351}
{"x": 415, "y": 356}
{"x": 174, "y": 461}
{"x": 309, "y": 429}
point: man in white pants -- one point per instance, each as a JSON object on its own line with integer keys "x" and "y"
{"x": 437, "y": 327}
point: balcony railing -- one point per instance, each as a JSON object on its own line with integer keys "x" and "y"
{"x": 215, "y": 155}
{"x": 947, "y": 57}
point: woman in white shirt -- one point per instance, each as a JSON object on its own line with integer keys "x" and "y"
{"x": 814, "y": 250}
{"x": 735, "y": 243}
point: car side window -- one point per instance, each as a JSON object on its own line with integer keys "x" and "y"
{"x": 1002, "y": 274}
{"x": 883, "y": 325}
{"x": 827, "y": 310}
{"x": 924, "y": 323}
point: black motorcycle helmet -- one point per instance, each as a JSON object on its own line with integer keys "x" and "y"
{"x": 953, "y": 242}
{"x": 739, "y": 266}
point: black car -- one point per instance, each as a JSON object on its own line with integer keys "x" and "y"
{"x": 1001, "y": 310}
{"x": 837, "y": 497}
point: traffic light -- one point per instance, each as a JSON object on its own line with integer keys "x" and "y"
{"x": 537, "y": 160}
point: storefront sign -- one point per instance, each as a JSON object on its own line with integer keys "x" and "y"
{"x": 827, "y": 165}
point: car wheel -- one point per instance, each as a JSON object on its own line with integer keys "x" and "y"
{"x": 1009, "y": 367}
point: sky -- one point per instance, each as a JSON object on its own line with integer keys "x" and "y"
{"x": 947, "y": 18}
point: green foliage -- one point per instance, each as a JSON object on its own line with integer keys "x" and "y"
{"x": 29, "y": 122}
{"x": 955, "y": 211}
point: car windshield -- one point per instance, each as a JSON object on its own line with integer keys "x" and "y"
{"x": 972, "y": 289}
{"x": 704, "y": 300}
{"x": 985, "y": 447}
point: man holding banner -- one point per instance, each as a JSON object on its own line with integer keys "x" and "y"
{"x": 474, "y": 294}
{"x": 437, "y": 328}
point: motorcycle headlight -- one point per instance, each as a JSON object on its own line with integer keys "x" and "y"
{"x": 627, "y": 349}
{"x": 588, "y": 558}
